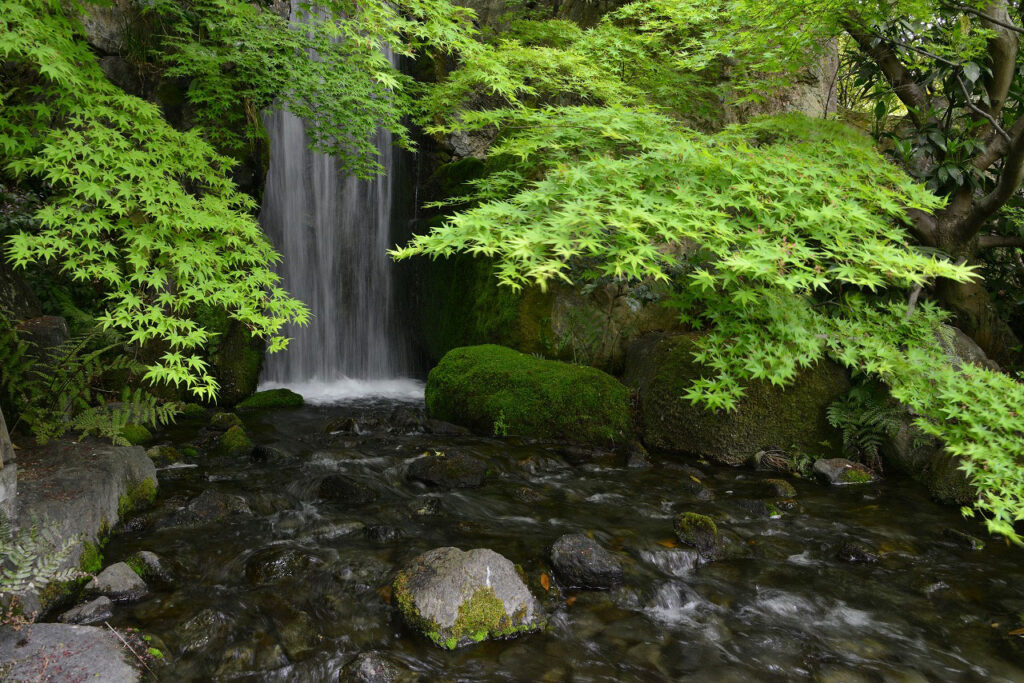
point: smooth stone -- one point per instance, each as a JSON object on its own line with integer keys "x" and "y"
{"x": 580, "y": 562}
{"x": 119, "y": 582}
{"x": 842, "y": 472}
{"x": 91, "y": 612}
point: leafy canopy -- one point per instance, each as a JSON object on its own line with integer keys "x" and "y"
{"x": 785, "y": 238}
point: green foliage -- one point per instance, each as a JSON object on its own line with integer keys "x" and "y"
{"x": 867, "y": 420}
{"x": 272, "y": 398}
{"x": 142, "y": 212}
{"x": 242, "y": 58}
{"x": 30, "y": 559}
{"x": 66, "y": 388}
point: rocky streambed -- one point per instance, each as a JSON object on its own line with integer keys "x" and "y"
{"x": 280, "y": 563}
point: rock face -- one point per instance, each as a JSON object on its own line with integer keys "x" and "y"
{"x": 492, "y": 389}
{"x": 793, "y": 419}
{"x": 581, "y": 562}
{"x": 842, "y": 472}
{"x": 449, "y": 471}
{"x": 63, "y": 652}
{"x": 119, "y": 583}
{"x": 457, "y": 598}
{"x": 91, "y": 612}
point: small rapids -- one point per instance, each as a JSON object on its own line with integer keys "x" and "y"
{"x": 296, "y": 589}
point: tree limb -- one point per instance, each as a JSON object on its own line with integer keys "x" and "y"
{"x": 1002, "y": 52}
{"x": 1009, "y": 182}
{"x": 995, "y": 241}
{"x": 910, "y": 92}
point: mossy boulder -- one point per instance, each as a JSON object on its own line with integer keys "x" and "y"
{"x": 136, "y": 434}
{"x": 791, "y": 420}
{"x": 163, "y": 455}
{"x": 192, "y": 411}
{"x": 492, "y": 389}
{"x": 235, "y": 442}
{"x": 139, "y": 496}
{"x": 221, "y": 422}
{"x": 923, "y": 458}
{"x": 842, "y": 472}
{"x": 458, "y": 598}
{"x": 272, "y": 398}
{"x": 699, "y": 532}
{"x": 235, "y": 356}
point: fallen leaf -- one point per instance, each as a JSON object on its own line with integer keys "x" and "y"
{"x": 570, "y": 600}
{"x": 545, "y": 581}
{"x": 669, "y": 543}
{"x": 695, "y": 479}
{"x": 1017, "y": 632}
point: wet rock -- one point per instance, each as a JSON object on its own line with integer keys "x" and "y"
{"x": 699, "y": 532}
{"x": 426, "y": 507}
{"x": 580, "y": 562}
{"x": 964, "y": 540}
{"x": 528, "y": 494}
{"x": 637, "y": 457}
{"x": 776, "y": 488}
{"x": 64, "y": 652}
{"x": 442, "y": 428}
{"x": 759, "y": 508}
{"x": 208, "y": 507}
{"x": 448, "y": 471}
{"x": 856, "y": 553}
{"x": 204, "y": 632}
{"x": 222, "y": 422}
{"x": 369, "y": 667}
{"x": 269, "y": 565}
{"x": 456, "y": 598}
{"x": 331, "y": 531}
{"x": 842, "y": 472}
{"x": 583, "y": 455}
{"x": 662, "y": 369}
{"x": 163, "y": 455}
{"x": 91, "y": 612}
{"x": 149, "y": 567}
{"x": 338, "y": 488}
{"x": 692, "y": 486}
{"x": 383, "y": 534}
{"x": 119, "y": 583}
{"x": 235, "y": 442}
{"x": 272, "y": 398}
{"x": 263, "y": 453}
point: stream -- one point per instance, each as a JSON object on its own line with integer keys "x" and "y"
{"x": 298, "y": 586}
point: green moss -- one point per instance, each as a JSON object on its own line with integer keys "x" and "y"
{"x": 484, "y": 611}
{"x": 235, "y": 356}
{"x": 163, "y": 454}
{"x": 778, "y": 487}
{"x": 273, "y": 398}
{"x": 136, "y": 434}
{"x": 225, "y": 421}
{"x": 474, "y": 385}
{"x": 768, "y": 417}
{"x": 235, "y": 442}
{"x": 137, "y": 497}
{"x": 464, "y": 305}
{"x": 92, "y": 557}
{"x": 137, "y": 566}
{"x": 700, "y": 532}
{"x": 856, "y": 476}
{"x": 192, "y": 411}
{"x": 190, "y": 451}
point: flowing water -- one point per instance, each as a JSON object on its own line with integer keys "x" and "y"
{"x": 298, "y": 587}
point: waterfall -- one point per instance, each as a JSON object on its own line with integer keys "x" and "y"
{"x": 333, "y": 231}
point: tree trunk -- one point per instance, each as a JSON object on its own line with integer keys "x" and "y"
{"x": 974, "y": 313}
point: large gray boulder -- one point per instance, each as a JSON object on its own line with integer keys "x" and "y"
{"x": 61, "y": 653}
{"x": 119, "y": 582}
{"x": 457, "y": 597}
{"x": 790, "y": 420}
{"x": 581, "y": 562}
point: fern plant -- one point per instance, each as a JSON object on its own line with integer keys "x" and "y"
{"x": 866, "y": 420}
{"x": 30, "y": 559}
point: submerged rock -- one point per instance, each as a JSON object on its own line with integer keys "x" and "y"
{"x": 119, "y": 583}
{"x": 699, "y": 532}
{"x": 369, "y": 667}
{"x": 208, "y": 507}
{"x": 235, "y": 442}
{"x": 496, "y": 390}
{"x": 91, "y": 612}
{"x": 457, "y": 598}
{"x": 580, "y": 562}
{"x": 341, "y": 489}
{"x": 842, "y": 472}
{"x": 776, "y": 488}
{"x": 449, "y": 471}
{"x": 856, "y": 553}
{"x": 662, "y": 368}
{"x": 964, "y": 540}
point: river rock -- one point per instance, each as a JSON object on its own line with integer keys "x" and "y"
{"x": 449, "y": 471}
{"x": 842, "y": 472}
{"x": 89, "y": 613}
{"x": 369, "y": 667}
{"x": 581, "y": 562}
{"x": 119, "y": 583}
{"x": 208, "y": 507}
{"x": 341, "y": 489}
{"x": 776, "y": 488}
{"x": 964, "y": 540}
{"x": 64, "y": 652}
{"x": 457, "y": 597}
{"x": 235, "y": 442}
{"x": 791, "y": 419}
{"x": 701, "y": 533}
{"x": 382, "y": 534}
{"x": 856, "y": 553}
{"x": 148, "y": 565}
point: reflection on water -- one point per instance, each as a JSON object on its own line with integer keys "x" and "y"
{"x": 296, "y": 589}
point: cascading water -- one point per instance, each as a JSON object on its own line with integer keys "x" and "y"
{"x": 333, "y": 231}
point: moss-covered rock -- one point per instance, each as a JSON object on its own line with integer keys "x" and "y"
{"x": 163, "y": 455}
{"x": 192, "y": 411}
{"x": 492, "y": 389}
{"x": 235, "y": 442}
{"x": 699, "y": 532}
{"x": 458, "y": 598}
{"x": 923, "y": 458}
{"x": 136, "y": 434}
{"x": 792, "y": 420}
{"x": 221, "y": 422}
{"x": 272, "y": 398}
{"x": 139, "y": 496}
{"x": 235, "y": 356}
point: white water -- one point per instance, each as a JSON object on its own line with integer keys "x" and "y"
{"x": 333, "y": 232}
